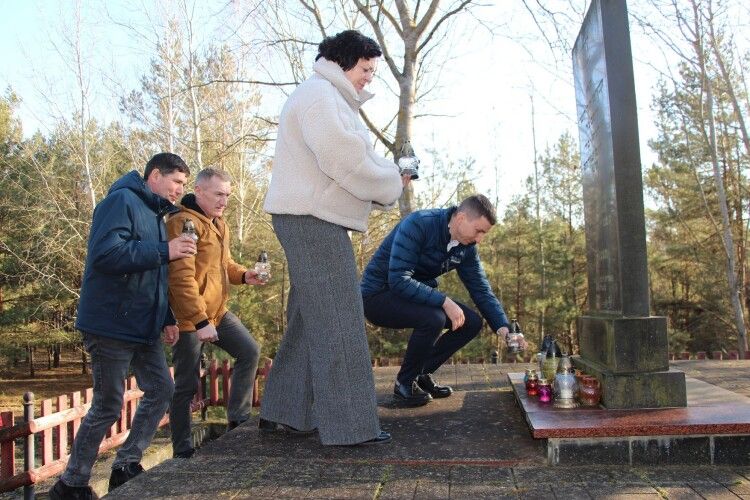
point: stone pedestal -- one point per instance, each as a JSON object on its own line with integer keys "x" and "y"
{"x": 630, "y": 358}
{"x": 712, "y": 429}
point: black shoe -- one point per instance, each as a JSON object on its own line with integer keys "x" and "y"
{"x": 270, "y": 426}
{"x": 61, "y": 491}
{"x": 428, "y": 385}
{"x": 232, "y": 424}
{"x": 409, "y": 396}
{"x": 185, "y": 454}
{"x": 123, "y": 474}
{"x": 383, "y": 437}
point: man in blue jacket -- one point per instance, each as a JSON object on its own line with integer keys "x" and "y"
{"x": 399, "y": 290}
{"x": 122, "y": 312}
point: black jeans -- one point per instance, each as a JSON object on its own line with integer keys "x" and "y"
{"x": 427, "y": 350}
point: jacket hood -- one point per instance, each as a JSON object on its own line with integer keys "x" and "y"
{"x": 189, "y": 204}
{"x": 332, "y": 72}
{"x": 134, "y": 182}
{"x": 189, "y": 201}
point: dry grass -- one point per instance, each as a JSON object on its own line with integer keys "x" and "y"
{"x": 15, "y": 381}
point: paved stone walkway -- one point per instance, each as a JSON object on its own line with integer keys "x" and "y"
{"x": 474, "y": 444}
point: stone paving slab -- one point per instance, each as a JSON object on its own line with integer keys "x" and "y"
{"x": 472, "y": 445}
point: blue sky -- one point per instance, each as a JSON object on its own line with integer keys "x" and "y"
{"x": 486, "y": 90}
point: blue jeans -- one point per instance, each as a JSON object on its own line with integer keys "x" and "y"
{"x": 110, "y": 360}
{"x": 427, "y": 349}
{"x": 238, "y": 343}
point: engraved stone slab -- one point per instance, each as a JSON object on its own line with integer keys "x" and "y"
{"x": 619, "y": 341}
{"x": 611, "y": 163}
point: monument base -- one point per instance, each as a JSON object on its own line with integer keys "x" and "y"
{"x": 629, "y": 356}
{"x": 625, "y": 344}
{"x": 662, "y": 389}
{"x": 713, "y": 429}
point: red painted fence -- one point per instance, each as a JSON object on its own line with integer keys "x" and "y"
{"x": 54, "y": 431}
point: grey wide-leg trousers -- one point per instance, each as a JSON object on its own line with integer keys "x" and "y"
{"x": 321, "y": 375}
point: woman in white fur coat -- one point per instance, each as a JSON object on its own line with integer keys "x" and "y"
{"x": 326, "y": 179}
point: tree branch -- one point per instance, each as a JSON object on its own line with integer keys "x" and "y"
{"x": 440, "y": 21}
{"x": 249, "y": 82}
{"x": 376, "y": 131}
{"x": 387, "y": 14}
{"x": 313, "y": 8}
{"x": 381, "y": 39}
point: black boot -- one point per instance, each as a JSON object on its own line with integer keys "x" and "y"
{"x": 382, "y": 438}
{"x": 430, "y": 386}
{"x": 185, "y": 454}
{"x": 269, "y": 426}
{"x": 123, "y": 474}
{"x": 61, "y": 491}
{"x": 410, "y": 395}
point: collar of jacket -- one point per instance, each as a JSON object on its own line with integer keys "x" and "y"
{"x": 332, "y": 72}
{"x": 188, "y": 204}
{"x": 446, "y": 236}
{"x": 189, "y": 201}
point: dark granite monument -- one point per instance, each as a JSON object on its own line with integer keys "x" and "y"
{"x": 651, "y": 414}
{"x": 620, "y": 343}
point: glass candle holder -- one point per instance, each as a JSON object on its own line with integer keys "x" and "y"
{"x": 263, "y": 267}
{"x": 532, "y": 387}
{"x": 545, "y": 391}
{"x": 188, "y": 230}
{"x": 515, "y": 340}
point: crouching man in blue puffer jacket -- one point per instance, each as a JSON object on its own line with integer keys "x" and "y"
{"x": 399, "y": 290}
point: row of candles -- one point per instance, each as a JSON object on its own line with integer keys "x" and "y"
{"x": 569, "y": 389}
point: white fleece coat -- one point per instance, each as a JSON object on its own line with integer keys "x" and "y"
{"x": 324, "y": 164}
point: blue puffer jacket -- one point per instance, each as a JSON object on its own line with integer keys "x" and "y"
{"x": 415, "y": 254}
{"x": 124, "y": 290}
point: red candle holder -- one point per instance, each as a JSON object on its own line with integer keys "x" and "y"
{"x": 532, "y": 387}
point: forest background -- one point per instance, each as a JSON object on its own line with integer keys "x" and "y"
{"x": 485, "y": 93}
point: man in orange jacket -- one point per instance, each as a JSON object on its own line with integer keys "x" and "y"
{"x": 198, "y": 293}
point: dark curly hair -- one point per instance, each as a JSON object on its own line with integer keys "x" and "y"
{"x": 347, "y": 48}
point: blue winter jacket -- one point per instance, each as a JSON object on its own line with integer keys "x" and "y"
{"x": 124, "y": 290}
{"x": 413, "y": 256}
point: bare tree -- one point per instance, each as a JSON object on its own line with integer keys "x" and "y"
{"x": 695, "y": 37}
{"x": 700, "y": 33}
{"x": 83, "y": 92}
{"x": 191, "y": 78}
{"x": 199, "y": 98}
{"x": 73, "y": 53}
